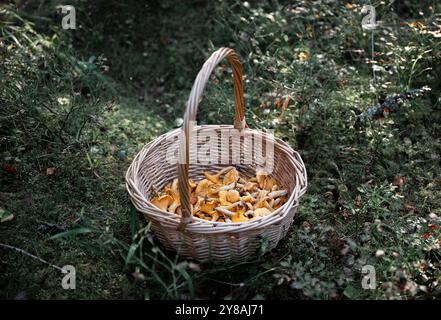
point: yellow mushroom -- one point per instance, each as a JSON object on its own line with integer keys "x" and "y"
{"x": 213, "y": 190}
{"x": 198, "y": 205}
{"x": 208, "y": 207}
{"x": 249, "y": 186}
{"x": 191, "y": 184}
{"x": 223, "y": 198}
{"x": 261, "y": 212}
{"x": 233, "y": 196}
{"x": 276, "y": 194}
{"x": 231, "y": 176}
{"x": 214, "y": 216}
{"x": 175, "y": 205}
{"x": 231, "y": 199}
{"x": 240, "y": 215}
{"x": 269, "y": 183}
{"x": 174, "y": 186}
{"x": 249, "y": 214}
{"x": 239, "y": 218}
{"x": 203, "y": 188}
{"x": 268, "y": 205}
{"x": 229, "y": 186}
{"x": 279, "y": 202}
{"x": 176, "y": 196}
{"x": 162, "y": 202}
{"x": 261, "y": 177}
{"x": 248, "y": 198}
{"x": 193, "y": 198}
{"x": 261, "y": 198}
{"x": 215, "y": 178}
{"x": 225, "y": 212}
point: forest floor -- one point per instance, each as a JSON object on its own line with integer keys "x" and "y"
{"x": 77, "y": 105}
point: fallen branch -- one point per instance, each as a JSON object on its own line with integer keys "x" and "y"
{"x": 389, "y": 105}
{"x": 30, "y": 255}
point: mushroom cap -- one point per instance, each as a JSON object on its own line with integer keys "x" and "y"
{"x": 261, "y": 212}
{"x": 208, "y": 206}
{"x": 223, "y": 198}
{"x": 176, "y": 204}
{"x": 193, "y": 198}
{"x": 260, "y": 177}
{"x": 203, "y": 188}
{"x": 233, "y": 196}
{"x": 191, "y": 184}
{"x": 269, "y": 183}
{"x": 240, "y": 218}
{"x": 249, "y": 186}
{"x": 162, "y": 202}
{"x": 212, "y": 177}
{"x": 231, "y": 177}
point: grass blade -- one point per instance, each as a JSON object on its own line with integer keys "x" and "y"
{"x": 69, "y": 233}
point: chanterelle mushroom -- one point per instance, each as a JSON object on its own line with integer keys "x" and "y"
{"x": 233, "y": 195}
{"x": 261, "y": 212}
{"x": 276, "y": 194}
{"x": 223, "y": 198}
{"x": 208, "y": 207}
{"x": 269, "y": 184}
{"x": 261, "y": 176}
{"x": 203, "y": 188}
{"x": 176, "y": 197}
{"x": 162, "y": 202}
{"x": 191, "y": 184}
{"x": 231, "y": 176}
{"x": 215, "y": 178}
{"x": 231, "y": 199}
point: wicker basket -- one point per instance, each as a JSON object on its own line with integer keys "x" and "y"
{"x": 193, "y": 237}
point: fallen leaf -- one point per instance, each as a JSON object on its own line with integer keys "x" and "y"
{"x": 398, "y": 181}
{"x": 50, "y": 171}
{"x": 9, "y": 168}
{"x": 285, "y": 103}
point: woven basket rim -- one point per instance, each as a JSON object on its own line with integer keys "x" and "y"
{"x": 292, "y": 199}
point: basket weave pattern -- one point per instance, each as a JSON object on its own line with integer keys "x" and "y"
{"x": 193, "y": 237}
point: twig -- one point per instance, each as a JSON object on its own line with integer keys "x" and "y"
{"x": 51, "y": 225}
{"x": 30, "y": 255}
{"x": 389, "y": 105}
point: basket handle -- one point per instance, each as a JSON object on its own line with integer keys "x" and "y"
{"x": 190, "y": 118}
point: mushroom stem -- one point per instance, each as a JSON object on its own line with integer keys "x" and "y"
{"x": 228, "y": 187}
{"x": 249, "y": 214}
{"x": 268, "y": 206}
{"x": 276, "y": 194}
{"x": 225, "y": 212}
{"x": 233, "y": 205}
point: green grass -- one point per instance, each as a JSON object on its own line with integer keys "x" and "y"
{"x": 76, "y": 106}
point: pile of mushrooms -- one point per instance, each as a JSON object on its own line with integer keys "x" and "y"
{"x": 225, "y": 196}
